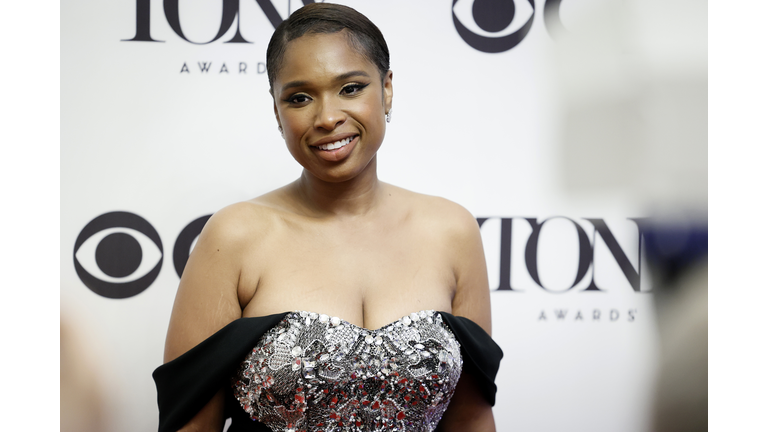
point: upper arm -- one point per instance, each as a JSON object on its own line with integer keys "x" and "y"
{"x": 207, "y": 299}
{"x": 468, "y": 410}
{"x": 472, "y": 297}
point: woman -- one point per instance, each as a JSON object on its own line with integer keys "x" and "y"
{"x": 370, "y": 262}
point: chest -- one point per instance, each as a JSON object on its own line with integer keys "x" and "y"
{"x": 366, "y": 273}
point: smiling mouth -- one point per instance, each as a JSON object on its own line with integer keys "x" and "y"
{"x": 336, "y": 145}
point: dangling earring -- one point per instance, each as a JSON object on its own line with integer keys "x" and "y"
{"x": 280, "y": 128}
{"x": 389, "y": 115}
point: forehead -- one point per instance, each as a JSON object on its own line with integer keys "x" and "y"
{"x": 317, "y": 56}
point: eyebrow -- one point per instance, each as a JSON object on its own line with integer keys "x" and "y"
{"x": 342, "y": 77}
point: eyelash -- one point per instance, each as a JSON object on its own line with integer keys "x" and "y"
{"x": 355, "y": 87}
{"x": 292, "y": 99}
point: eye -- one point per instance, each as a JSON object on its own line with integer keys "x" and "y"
{"x": 118, "y": 255}
{"x": 298, "y": 99}
{"x": 493, "y": 26}
{"x": 351, "y": 89}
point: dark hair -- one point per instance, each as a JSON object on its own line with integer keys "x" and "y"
{"x": 325, "y": 18}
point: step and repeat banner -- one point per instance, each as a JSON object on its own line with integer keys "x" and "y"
{"x": 166, "y": 118}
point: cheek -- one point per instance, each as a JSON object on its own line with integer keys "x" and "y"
{"x": 295, "y": 125}
{"x": 373, "y": 113}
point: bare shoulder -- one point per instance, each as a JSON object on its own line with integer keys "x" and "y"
{"x": 242, "y": 223}
{"x": 440, "y": 215}
{"x": 214, "y": 273}
{"x": 456, "y": 232}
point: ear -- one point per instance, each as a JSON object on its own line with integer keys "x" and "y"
{"x": 387, "y": 90}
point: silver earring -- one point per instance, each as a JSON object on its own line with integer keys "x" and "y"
{"x": 389, "y": 115}
{"x": 280, "y": 128}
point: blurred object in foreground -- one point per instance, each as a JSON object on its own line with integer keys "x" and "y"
{"x": 677, "y": 256}
{"x": 82, "y": 390}
{"x": 633, "y": 84}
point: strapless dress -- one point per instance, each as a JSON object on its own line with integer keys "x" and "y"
{"x": 304, "y": 371}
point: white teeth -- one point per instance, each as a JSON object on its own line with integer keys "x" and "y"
{"x": 335, "y": 145}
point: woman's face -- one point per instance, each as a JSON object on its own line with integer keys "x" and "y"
{"x": 331, "y": 104}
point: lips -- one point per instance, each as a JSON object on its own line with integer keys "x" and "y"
{"x": 335, "y": 145}
{"x": 336, "y": 148}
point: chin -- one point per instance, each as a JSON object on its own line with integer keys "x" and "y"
{"x": 340, "y": 173}
{"x": 336, "y": 177}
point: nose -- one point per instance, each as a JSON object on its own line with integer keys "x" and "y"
{"x": 329, "y": 114}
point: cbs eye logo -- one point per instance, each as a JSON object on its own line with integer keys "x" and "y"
{"x": 119, "y": 254}
{"x": 495, "y": 26}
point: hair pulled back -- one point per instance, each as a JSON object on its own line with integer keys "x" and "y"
{"x": 325, "y": 18}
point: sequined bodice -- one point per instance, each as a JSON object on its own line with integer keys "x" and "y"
{"x": 316, "y": 373}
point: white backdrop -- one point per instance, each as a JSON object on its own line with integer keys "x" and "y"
{"x": 145, "y": 131}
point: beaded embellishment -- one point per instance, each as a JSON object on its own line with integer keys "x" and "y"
{"x": 314, "y": 373}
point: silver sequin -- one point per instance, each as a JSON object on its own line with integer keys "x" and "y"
{"x": 331, "y": 375}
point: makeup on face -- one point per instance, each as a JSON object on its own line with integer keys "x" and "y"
{"x": 330, "y": 104}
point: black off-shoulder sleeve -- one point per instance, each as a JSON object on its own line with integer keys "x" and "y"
{"x": 186, "y": 384}
{"x": 481, "y": 354}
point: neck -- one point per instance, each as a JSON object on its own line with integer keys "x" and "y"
{"x": 354, "y": 197}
